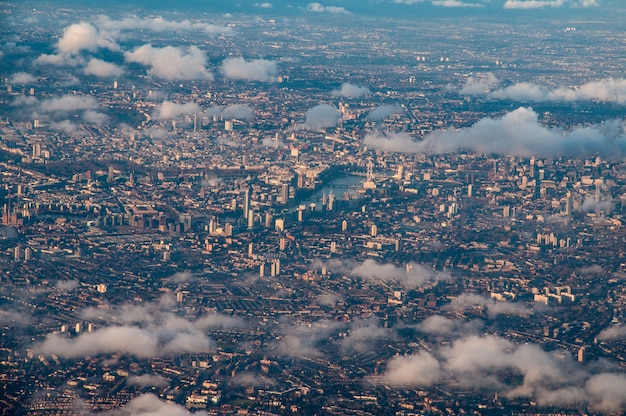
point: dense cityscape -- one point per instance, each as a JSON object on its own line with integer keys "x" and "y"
{"x": 313, "y": 209}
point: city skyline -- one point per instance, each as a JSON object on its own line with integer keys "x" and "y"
{"x": 380, "y": 207}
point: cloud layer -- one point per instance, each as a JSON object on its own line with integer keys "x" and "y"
{"x": 254, "y": 70}
{"x": 516, "y": 133}
{"x": 604, "y": 90}
{"x": 169, "y": 110}
{"x": 102, "y": 69}
{"x": 486, "y": 363}
{"x": 350, "y": 91}
{"x": 144, "y": 331}
{"x": 171, "y": 63}
{"x": 321, "y": 117}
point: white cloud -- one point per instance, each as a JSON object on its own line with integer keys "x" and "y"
{"x": 69, "y": 103}
{"x": 479, "y": 363}
{"x": 148, "y": 380}
{"x": 320, "y": 117}
{"x": 168, "y": 110}
{"x": 253, "y": 70}
{"x": 362, "y": 333}
{"x": 419, "y": 369}
{"x": 78, "y": 37}
{"x": 610, "y": 90}
{"x": 249, "y": 379}
{"x": 131, "y": 340}
{"x": 59, "y": 59}
{"x": 264, "y": 5}
{"x": 608, "y": 392}
{"x": 238, "y": 112}
{"x": 151, "y": 405}
{"x": 102, "y": 69}
{"x": 467, "y": 301}
{"x": 180, "y": 277}
{"x": 612, "y": 333}
{"x": 410, "y": 277}
{"x": 22, "y": 78}
{"x": 95, "y": 117}
{"x": 171, "y": 63}
{"x": 516, "y": 133}
{"x": 441, "y": 3}
{"x": 65, "y": 125}
{"x": 303, "y": 340}
{"x": 454, "y": 3}
{"x": 319, "y": 8}
{"x": 158, "y": 24}
{"x": 479, "y": 84}
{"x": 66, "y": 285}
{"x": 441, "y": 325}
{"x": 532, "y": 4}
{"x": 350, "y": 91}
{"x": 392, "y": 142}
{"x": 384, "y": 111}
{"x": 145, "y": 331}
{"x": 24, "y": 100}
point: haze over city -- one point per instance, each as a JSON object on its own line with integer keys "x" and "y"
{"x": 379, "y": 207}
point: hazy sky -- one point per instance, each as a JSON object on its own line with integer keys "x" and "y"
{"x": 387, "y": 8}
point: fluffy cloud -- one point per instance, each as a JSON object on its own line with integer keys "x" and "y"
{"x": 479, "y": 84}
{"x": 69, "y": 103}
{"x": 470, "y": 300}
{"x": 171, "y": 63}
{"x": 76, "y": 38}
{"x": 59, "y": 59}
{"x": 610, "y": 89}
{"x": 102, "y": 69}
{"x": 66, "y": 285}
{"x": 158, "y": 24}
{"x": 532, "y": 4}
{"x": 350, "y": 91}
{"x": 319, "y": 8}
{"x": 303, "y": 340}
{"x": 362, "y": 333}
{"x": 24, "y": 100}
{"x": 320, "y": 117}
{"x": 151, "y": 405}
{"x": 144, "y": 331}
{"x": 264, "y": 5}
{"x": 419, "y": 369}
{"x": 440, "y": 325}
{"x": 14, "y": 317}
{"x": 328, "y": 299}
{"x": 611, "y": 333}
{"x": 65, "y": 125}
{"x": 590, "y": 204}
{"x": 22, "y": 78}
{"x": 608, "y": 392}
{"x": 249, "y": 379}
{"x": 95, "y": 117}
{"x": 516, "y": 133}
{"x": 488, "y": 362}
{"x": 131, "y": 340}
{"x": 238, "y": 112}
{"x": 180, "y": 277}
{"x": 253, "y": 70}
{"x": 441, "y": 3}
{"x": 169, "y": 110}
{"x": 148, "y": 380}
{"x": 383, "y": 112}
{"x": 410, "y": 277}
{"x": 392, "y": 142}
{"x": 83, "y": 36}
